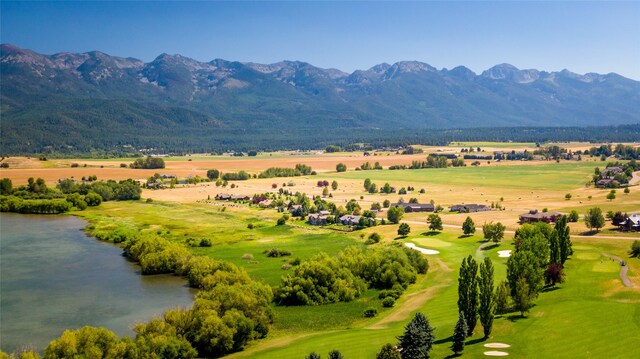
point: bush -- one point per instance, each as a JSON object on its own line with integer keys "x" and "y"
{"x": 370, "y": 312}
{"x": 281, "y": 221}
{"x": 286, "y": 266}
{"x": 635, "y": 249}
{"x": 247, "y": 256}
{"x": 388, "y": 302}
{"x": 275, "y": 253}
{"x": 373, "y": 238}
{"x": 93, "y": 199}
{"x": 250, "y": 226}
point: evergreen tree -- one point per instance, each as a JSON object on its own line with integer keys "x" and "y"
{"x": 417, "y": 340}
{"x": 459, "y": 334}
{"x": 468, "y": 292}
{"x": 334, "y": 354}
{"x": 468, "y": 227}
{"x": 388, "y": 351}
{"x": 486, "y": 308}
{"x": 313, "y": 355}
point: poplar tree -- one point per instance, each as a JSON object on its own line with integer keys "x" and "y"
{"x": 564, "y": 240}
{"x": 486, "y": 309}
{"x": 468, "y": 292}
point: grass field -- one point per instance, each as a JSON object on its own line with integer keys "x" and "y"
{"x": 592, "y": 315}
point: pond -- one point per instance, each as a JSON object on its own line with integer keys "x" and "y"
{"x": 54, "y": 277}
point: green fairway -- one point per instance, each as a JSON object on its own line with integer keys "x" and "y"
{"x": 590, "y": 315}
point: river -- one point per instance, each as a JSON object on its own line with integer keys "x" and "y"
{"x": 54, "y": 277}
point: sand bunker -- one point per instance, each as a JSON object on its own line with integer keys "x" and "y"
{"x": 497, "y": 345}
{"x": 504, "y": 254}
{"x": 496, "y": 353}
{"x": 421, "y": 250}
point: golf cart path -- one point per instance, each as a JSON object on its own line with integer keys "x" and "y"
{"x": 623, "y": 270}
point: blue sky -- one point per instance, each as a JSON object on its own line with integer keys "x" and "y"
{"x": 580, "y": 36}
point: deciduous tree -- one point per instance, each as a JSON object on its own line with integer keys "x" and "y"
{"x": 468, "y": 292}
{"x": 468, "y": 227}
{"x": 594, "y": 218}
{"x": 486, "y": 307}
{"x": 435, "y": 222}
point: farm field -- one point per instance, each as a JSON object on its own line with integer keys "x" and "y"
{"x": 593, "y": 314}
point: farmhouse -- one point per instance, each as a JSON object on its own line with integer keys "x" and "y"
{"x": 349, "y": 220}
{"x": 415, "y": 207}
{"x": 631, "y": 223}
{"x": 535, "y": 216}
{"x": 469, "y": 208}
{"x": 223, "y": 197}
{"x": 318, "y": 219}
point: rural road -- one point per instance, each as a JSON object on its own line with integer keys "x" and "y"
{"x": 513, "y": 232}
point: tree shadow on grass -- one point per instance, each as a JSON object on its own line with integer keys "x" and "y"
{"x": 430, "y": 233}
{"x": 589, "y": 233}
{"x": 399, "y": 237}
{"x": 550, "y": 289}
{"x": 515, "y": 317}
{"x": 445, "y": 340}
{"x": 476, "y": 341}
{"x": 465, "y": 236}
{"x": 491, "y": 246}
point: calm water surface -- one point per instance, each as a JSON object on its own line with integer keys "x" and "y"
{"x": 53, "y": 277}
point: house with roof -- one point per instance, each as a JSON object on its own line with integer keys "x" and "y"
{"x": 631, "y": 223}
{"x": 318, "y": 219}
{"x": 469, "y": 208}
{"x": 223, "y": 197}
{"x": 535, "y": 216}
{"x": 415, "y": 207}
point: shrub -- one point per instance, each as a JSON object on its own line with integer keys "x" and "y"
{"x": 388, "y": 302}
{"x": 247, "y": 256}
{"x": 286, "y": 266}
{"x": 281, "y": 221}
{"x": 635, "y": 249}
{"x": 370, "y": 312}
{"x": 275, "y": 253}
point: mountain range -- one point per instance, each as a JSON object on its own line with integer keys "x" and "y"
{"x": 94, "y": 100}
